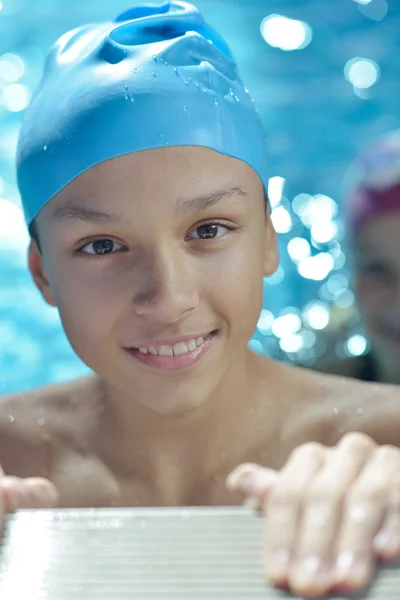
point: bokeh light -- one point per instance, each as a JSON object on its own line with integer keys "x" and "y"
{"x": 356, "y": 345}
{"x": 281, "y": 219}
{"x": 265, "y": 321}
{"x": 275, "y": 190}
{"x": 362, "y": 73}
{"x": 298, "y": 249}
{"x": 286, "y": 34}
{"x": 316, "y": 315}
{"x": 15, "y": 97}
{"x": 316, "y": 267}
{"x": 12, "y": 67}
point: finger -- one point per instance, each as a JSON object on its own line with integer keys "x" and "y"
{"x": 283, "y": 509}
{"x": 27, "y": 493}
{"x": 387, "y": 542}
{"x": 311, "y": 570}
{"x": 41, "y": 493}
{"x": 363, "y": 515}
{"x": 251, "y": 480}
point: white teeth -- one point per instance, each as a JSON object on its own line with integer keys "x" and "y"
{"x": 165, "y": 351}
{"x": 191, "y": 345}
{"x": 181, "y": 348}
{"x": 177, "y": 350}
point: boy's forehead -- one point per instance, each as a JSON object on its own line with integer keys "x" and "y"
{"x": 191, "y": 178}
{"x": 78, "y": 209}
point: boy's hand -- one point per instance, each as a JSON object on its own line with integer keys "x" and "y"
{"x": 16, "y": 493}
{"x": 331, "y": 513}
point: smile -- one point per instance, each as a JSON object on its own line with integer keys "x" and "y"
{"x": 176, "y": 356}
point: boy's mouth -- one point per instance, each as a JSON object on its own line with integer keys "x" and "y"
{"x": 175, "y": 355}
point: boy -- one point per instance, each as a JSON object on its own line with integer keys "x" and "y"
{"x": 141, "y": 166}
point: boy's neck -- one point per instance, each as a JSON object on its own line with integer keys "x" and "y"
{"x": 176, "y": 455}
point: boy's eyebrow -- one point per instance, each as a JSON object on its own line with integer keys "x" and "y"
{"x": 69, "y": 211}
{"x": 202, "y": 202}
{"x": 72, "y": 212}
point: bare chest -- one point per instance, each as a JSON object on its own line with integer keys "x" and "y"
{"x": 85, "y": 481}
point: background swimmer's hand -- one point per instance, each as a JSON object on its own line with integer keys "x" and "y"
{"x": 331, "y": 514}
{"x": 16, "y": 493}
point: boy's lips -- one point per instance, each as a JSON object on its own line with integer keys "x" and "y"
{"x": 174, "y": 354}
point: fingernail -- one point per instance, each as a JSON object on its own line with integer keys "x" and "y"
{"x": 250, "y": 480}
{"x": 241, "y": 474}
{"x": 310, "y": 575}
{"x": 311, "y": 565}
{"x": 253, "y": 503}
{"x": 278, "y": 563}
{"x": 387, "y": 542}
{"x": 353, "y": 568}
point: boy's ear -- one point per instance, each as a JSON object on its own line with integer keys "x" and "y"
{"x": 271, "y": 252}
{"x": 36, "y": 267}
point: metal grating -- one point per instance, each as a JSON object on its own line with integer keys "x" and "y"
{"x": 158, "y": 554}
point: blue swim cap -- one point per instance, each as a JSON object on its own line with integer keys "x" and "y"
{"x": 156, "y": 76}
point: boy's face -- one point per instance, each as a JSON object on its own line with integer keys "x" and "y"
{"x": 156, "y": 247}
{"x": 377, "y": 283}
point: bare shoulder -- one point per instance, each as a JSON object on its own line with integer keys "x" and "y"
{"x": 33, "y": 423}
{"x": 340, "y": 404}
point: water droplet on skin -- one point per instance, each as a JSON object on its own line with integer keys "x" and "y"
{"x": 358, "y": 514}
{"x": 155, "y": 58}
{"x": 11, "y": 418}
{"x": 45, "y": 147}
{"x": 360, "y": 411}
{"x": 41, "y": 422}
{"x": 336, "y": 410}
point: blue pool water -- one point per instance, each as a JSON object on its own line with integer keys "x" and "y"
{"x": 315, "y": 119}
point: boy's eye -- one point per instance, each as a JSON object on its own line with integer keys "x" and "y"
{"x": 208, "y": 231}
{"x": 100, "y": 247}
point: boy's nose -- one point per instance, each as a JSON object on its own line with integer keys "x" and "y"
{"x": 170, "y": 288}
